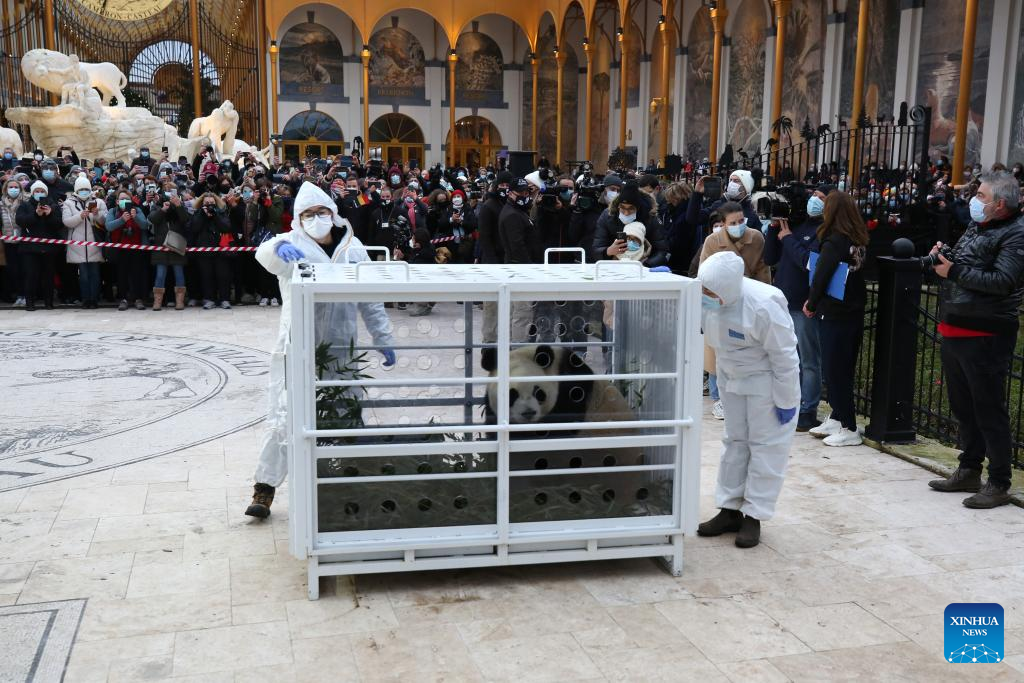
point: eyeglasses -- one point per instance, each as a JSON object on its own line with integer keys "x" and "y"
{"x": 323, "y": 212}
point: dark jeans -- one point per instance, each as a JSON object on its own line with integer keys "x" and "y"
{"x": 976, "y": 369}
{"x": 215, "y": 272}
{"x": 132, "y": 274}
{"x": 840, "y": 343}
{"x": 39, "y": 271}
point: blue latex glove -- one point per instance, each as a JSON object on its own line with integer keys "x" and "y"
{"x": 785, "y": 414}
{"x": 288, "y": 253}
{"x": 661, "y": 269}
{"x": 389, "y": 357}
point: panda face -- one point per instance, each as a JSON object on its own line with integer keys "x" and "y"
{"x": 531, "y": 402}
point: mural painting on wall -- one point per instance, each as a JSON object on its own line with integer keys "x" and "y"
{"x": 311, "y": 65}
{"x": 478, "y": 73}
{"x": 938, "y": 81}
{"x": 801, "y": 97}
{"x": 600, "y": 103}
{"x": 1017, "y": 129}
{"x": 746, "y": 78}
{"x": 547, "y": 98}
{"x": 397, "y": 70}
{"x": 634, "y": 53}
{"x": 654, "y": 129}
{"x": 880, "y": 70}
{"x": 700, "y": 66}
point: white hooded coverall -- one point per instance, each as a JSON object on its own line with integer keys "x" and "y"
{"x": 758, "y": 371}
{"x": 334, "y": 322}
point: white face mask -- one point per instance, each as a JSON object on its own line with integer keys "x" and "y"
{"x": 318, "y": 226}
{"x": 736, "y": 231}
{"x": 457, "y": 202}
{"x": 627, "y": 218}
{"x": 611, "y": 195}
{"x": 734, "y": 190}
{"x": 412, "y": 244}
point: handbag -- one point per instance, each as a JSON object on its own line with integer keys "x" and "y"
{"x": 175, "y": 241}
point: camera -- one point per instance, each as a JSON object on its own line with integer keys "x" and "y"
{"x": 929, "y": 261}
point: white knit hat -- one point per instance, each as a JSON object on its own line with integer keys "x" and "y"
{"x": 636, "y": 229}
{"x": 39, "y": 185}
{"x": 82, "y": 183}
{"x": 746, "y": 179}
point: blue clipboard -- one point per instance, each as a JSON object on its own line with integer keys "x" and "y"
{"x": 837, "y": 285}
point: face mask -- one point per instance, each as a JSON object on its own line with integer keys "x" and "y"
{"x": 977, "y": 208}
{"x": 611, "y": 195}
{"x": 412, "y": 244}
{"x": 145, "y": 154}
{"x": 8, "y": 155}
{"x": 709, "y": 303}
{"x": 39, "y": 196}
{"x": 716, "y": 228}
{"x": 13, "y": 192}
{"x": 632, "y": 246}
{"x": 815, "y": 206}
{"x": 627, "y": 218}
{"x": 395, "y": 180}
{"x": 39, "y": 157}
{"x": 49, "y": 175}
{"x": 565, "y": 195}
{"x": 736, "y": 231}
{"x": 413, "y": 185}
{"x": 502, "y": 193}
{"x": 409, "y": 201}
{"x": 247, "y": 195}
{"x": 343, "y": 174}
{"x": 84, "y": 194}
{"x": 318, "y": 226}
{"x": 734, "y": 190}
{"x": 457, "y": 203}
{"x": 523, "y": 201}
{"x": 123, "y": 203}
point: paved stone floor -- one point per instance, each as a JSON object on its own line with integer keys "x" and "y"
{"x": 849, "y": 583}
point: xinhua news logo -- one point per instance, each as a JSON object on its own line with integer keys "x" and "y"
{"x": 974, "y": 633}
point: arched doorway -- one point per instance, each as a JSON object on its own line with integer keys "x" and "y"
{"x": 477, "y": 142}
{"x": 312, "y": 134}
{"x": 396, "y": 139}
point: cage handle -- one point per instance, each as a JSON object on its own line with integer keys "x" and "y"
{"x": 387, "y": 252}
{"x": 581, "y": 250}
{"x": 381, "y": 264}
{"x": 617, "y": 264}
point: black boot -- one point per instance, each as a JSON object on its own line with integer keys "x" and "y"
{"x": 262, "y": 497}
{"x": 749, "y": 534}
{"x": 725, "y": 521}
{"x": 807, "y": 421}
{"x": 961, "y": 480}
{"x": 990, "y": 496}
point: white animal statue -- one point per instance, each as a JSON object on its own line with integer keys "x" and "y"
{"x": 60, "y": 73}
{"x": 261, "y": 155}
{"x": 220, "y": 126}
{"x": 10, "y": 138}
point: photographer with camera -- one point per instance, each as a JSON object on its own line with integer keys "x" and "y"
{"x": 788, "y": 248}
{"x": 738, "y": 189}
{"x": 981, "y": 283}
{"x": 84, "y": 222}
{"x": 210, "y": 228}
{"x": 455, "y": 219}
{"x": 592, "y": 198}
{"x": 127, "y": 223}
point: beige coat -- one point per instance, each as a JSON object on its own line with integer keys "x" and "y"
{"x": 750, "y": 248}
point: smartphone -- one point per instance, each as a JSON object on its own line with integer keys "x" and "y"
{"x": 712, "y": 188}
{"x": 620, "y": 236}
{"x": 164, "y": 150}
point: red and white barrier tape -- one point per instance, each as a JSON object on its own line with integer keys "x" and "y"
{"x": 117, "y": 245}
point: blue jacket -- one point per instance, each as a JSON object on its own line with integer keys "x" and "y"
{"x": 789, "y": 257}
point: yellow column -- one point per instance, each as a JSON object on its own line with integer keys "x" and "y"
{"x": 49, "y": 38}
{"x": 273, "y": 85}
{"x": 364, "y": 56}
{"x": 535, "y": 66}
{"x": 666, "y": 57}
{"x": 858, "y": 85}
{"x": 197, "y": 93}
{"x": 963, "y": 104}
{"x": 264, "y": 112}
{"x": 623, "y": 89}
{"x": 452, "y": 59}
{"x": 718, "y": 17}
{"x": 588, "y": 51}
{"x": 560, "y": 59}
{"x": 782, "y": 8}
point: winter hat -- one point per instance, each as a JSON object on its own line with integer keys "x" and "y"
{"x": 612, "y": 179}
{"x": 746, "y": 179}
{"x": 631, "y": 195}
{"x": 826, "y": 189}
{"x": 39, "y": 185}
{"x": 648, "y": 180}
{"x": 82, "y": 183}
{"x": 637, "y": 230}
{"x": 460, "y": 194}
{"x": 534, "y": 179}
{"x": 722, "y": 274}
{"x": 519, "y": 185}
{"x": 504, "y": 177}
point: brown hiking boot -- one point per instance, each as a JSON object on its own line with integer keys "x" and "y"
{"x": 749, "y": 534}
{"x": 158, "y": 298}
{"x": 990, "y": 496}
{"x": 961, "y": 480}
{"x": 724, "y": 521}
{"x": 179, "y": 298}
{"x": 262, "y": 497}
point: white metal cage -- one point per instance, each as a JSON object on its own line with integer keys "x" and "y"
{"x": 423, "y": 465}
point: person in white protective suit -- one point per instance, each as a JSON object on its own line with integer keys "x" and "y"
{"x": 319, "y": 235}
{"x": 748, "y": 325}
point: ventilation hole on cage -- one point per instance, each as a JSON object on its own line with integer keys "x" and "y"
{"x": 351, "y": 471}
{"x": 575, "y": 497}
{"x": 588, "y": 303}
{"x": 424, "y": 468}
{"x": 541, "y": 464}
{"x": 459, "y": 325}
{"x": 531, "y": 330}
{"x": 576, "y": 360}
{"x": 642, "y": 493}
{"x": 460, "y": 466}
{"x": 608, "y": 495}
{"x": 543, "y": 324}
{"x": 402, "y": 331}
{"x": 560, "y": 304}
{"x": 588, "y": 329}
{"x": 351, "y": 508}
{"x": 424, "y": 504}
{"x": 575, "y": 461}
{"x": 423, "y": 326}
{"x": 387, "y": 469}
{"x": 387, "y": 438}
{"x": 609, "y": 461}
{"x": 578, "y": 323}
{"x": 542, "y": 359}
{"x": 460, "y": 502}
{"x": 423, "y": 362}
{"x": 540, "y": 498}
{"x": 388, "y": 506}
{"x": 561, "y": 329}
{"x": 577, "y": 394}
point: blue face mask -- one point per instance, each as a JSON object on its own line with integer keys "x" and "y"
{"x": 627, "y": 218}
{"x": 13, "y": 192}
{"x": 736, "y": 231}
{"x": 710, "y": 303}
{"x": 39, "y": 197}
{"x": 145, "y": 154}
{"x": 632, "y": 246}
{"x": 49, "y": 174}
{"x": 8, "y": 155}
{"x": 815, "y": 206}
{"x": 247, "y": 195}
{"x": 84, "y": 194}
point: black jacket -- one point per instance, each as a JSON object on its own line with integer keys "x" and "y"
{"x": 838, "y": 249}
{"x": 206, "y": 231}
{"x": 556, "y": 232}
{"x": 487, "y": 215}
{"x": 520, "y": 238}
{"x": 609, "y": 224}
{"x": 34, "y": 225}
{"x": 983, "y": 290}
{"x": 789, "y": 257}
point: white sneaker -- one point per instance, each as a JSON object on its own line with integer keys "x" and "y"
{"x": 274, "y": 302}
{"x": 20, "y": 302}
{"x": 264, "y": 301}
{"x": 844, "y": 437}
{"x": 718, "y": 411}
{"x": 826, "y": 428}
